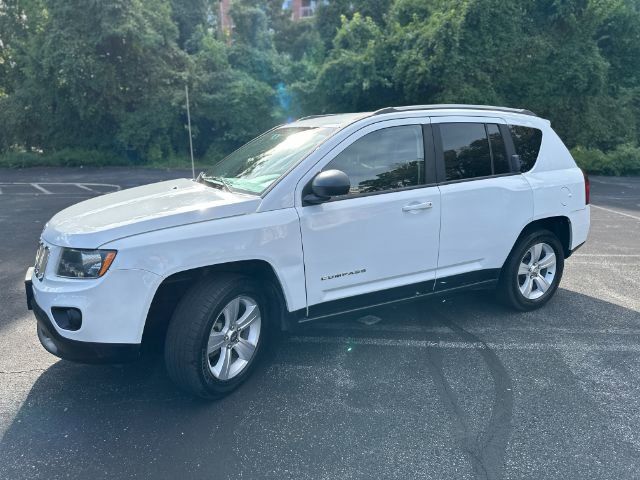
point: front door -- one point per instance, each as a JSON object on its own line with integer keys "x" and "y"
{"x": 379, "y": 243}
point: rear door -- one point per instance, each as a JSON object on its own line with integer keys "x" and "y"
{"x": 485, "y": 205}
{"x": 379, "y": 243}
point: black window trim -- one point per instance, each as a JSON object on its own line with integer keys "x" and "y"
{"x": 430, "y": 160}
{"x": 439, "y": 153}
{"x": 462, "y": 180}
{"x": 486, "y": 132}
{"x": 430, "y": 174}
{"x": 381, "y": 192}
{"x": 508, "y": 142}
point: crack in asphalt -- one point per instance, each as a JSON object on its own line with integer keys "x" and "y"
{"x": 9, "y": 372}
{"x": 486, "y": 450}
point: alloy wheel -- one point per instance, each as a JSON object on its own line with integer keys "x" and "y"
{"x": 233, "y": 338}
{"x": 536, "y": 271}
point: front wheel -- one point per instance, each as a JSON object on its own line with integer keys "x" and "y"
{"x": 216, "y": 335}
{"x": 532, "y": 273}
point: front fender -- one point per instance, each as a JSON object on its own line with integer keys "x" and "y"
{"x": 273, "y": 237}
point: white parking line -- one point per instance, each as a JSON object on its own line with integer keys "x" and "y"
{"x": 535, "y": 346}
{"x": 79, "y": 185}
{"x": 615, "y": 211}
{"x": 39, "y": 187}
{"x": 605, "y": 255}
{"x": 604, "y": 263}
{"x": 426, "y": 329}
{"x": 42, "y": 189}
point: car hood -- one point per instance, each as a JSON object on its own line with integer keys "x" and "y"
{"x": 94, "y": 222}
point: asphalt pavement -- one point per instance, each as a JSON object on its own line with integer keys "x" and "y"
{"x": 450, "y": 387}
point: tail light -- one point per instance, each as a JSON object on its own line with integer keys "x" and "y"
{"x": 587, "y": 188}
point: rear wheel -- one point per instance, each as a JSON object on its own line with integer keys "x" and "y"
{"x": 216, "y": 335}
{"x": 532, "y": 273}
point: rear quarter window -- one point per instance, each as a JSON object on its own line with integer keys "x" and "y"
{"x": 526, "y": 141}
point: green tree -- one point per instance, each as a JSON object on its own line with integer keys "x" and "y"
{"x": 354, "y": 76}
{"x": 110, "y": 75}
{"x": 329, "y": 15}
{"x": 561, "y": 71}
{"x": 229, "y": 106}
{"x": 101, "y": 78}
{"x": 189, "y": 16}
{"x": 18, "y": 20}
{"x": 545, "y": 55}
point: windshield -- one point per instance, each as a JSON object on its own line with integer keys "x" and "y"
{"x": 255, "y": 166}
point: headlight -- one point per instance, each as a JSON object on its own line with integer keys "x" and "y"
{"x": 84, "y": 263}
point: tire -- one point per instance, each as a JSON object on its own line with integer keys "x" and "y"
{"x": 513, "y": 284}
{"x": 201, "y": 321}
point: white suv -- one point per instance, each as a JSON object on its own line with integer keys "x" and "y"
{"x": 325, "y": 215}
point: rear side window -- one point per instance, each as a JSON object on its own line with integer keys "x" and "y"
{"x": 526, "y": 141}
{"x": 387, "y": 159}
{"x": 466, "y": 150}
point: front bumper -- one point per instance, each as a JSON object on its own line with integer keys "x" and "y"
{"x": 114, "y": 307}
{"x": 85, "y": 352}
{"x": 113, "y": 313}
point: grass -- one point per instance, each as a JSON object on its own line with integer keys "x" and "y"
{"x": 89, "y": 158}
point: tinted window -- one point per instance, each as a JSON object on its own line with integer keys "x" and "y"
{"x": 527, "y": 143}
{"x": 500, "y": 162}
{"x": 386, "y": 159}
{"x": 466, "y": 150}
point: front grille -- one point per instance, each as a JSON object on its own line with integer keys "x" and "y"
{"x": 42, "y": 257}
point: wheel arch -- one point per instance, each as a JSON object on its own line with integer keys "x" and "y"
{"x": 559, "y": 225}
{"x": 173, "y": 287}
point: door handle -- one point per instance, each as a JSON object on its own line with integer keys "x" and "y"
{"x": 412, "y": 207}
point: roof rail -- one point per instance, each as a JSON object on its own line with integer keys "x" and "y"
{"x": 446, "y": 106}
{"x": 309, "y": 117}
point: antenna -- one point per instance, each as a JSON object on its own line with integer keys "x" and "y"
{"x": 193, "y": 167}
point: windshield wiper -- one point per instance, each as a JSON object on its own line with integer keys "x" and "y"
{"x": 216, "y": 181}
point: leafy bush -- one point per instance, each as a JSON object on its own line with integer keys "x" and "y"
{"x": 623, "y": 160}
{"x": 591, "y": 160}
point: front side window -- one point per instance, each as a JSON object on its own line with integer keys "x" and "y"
{"x": 526, "y": 141}
{"x": 255, "y": 166}
{"x": 387, "y": 159}
{"x": 466, "y": 150}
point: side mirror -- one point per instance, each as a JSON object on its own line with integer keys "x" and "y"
{"x": 327, "y": 184}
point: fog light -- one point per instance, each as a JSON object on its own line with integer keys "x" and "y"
{"x": 67, "y": 318}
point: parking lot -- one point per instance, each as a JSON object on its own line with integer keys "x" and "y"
{"x": 450, "y": 387}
